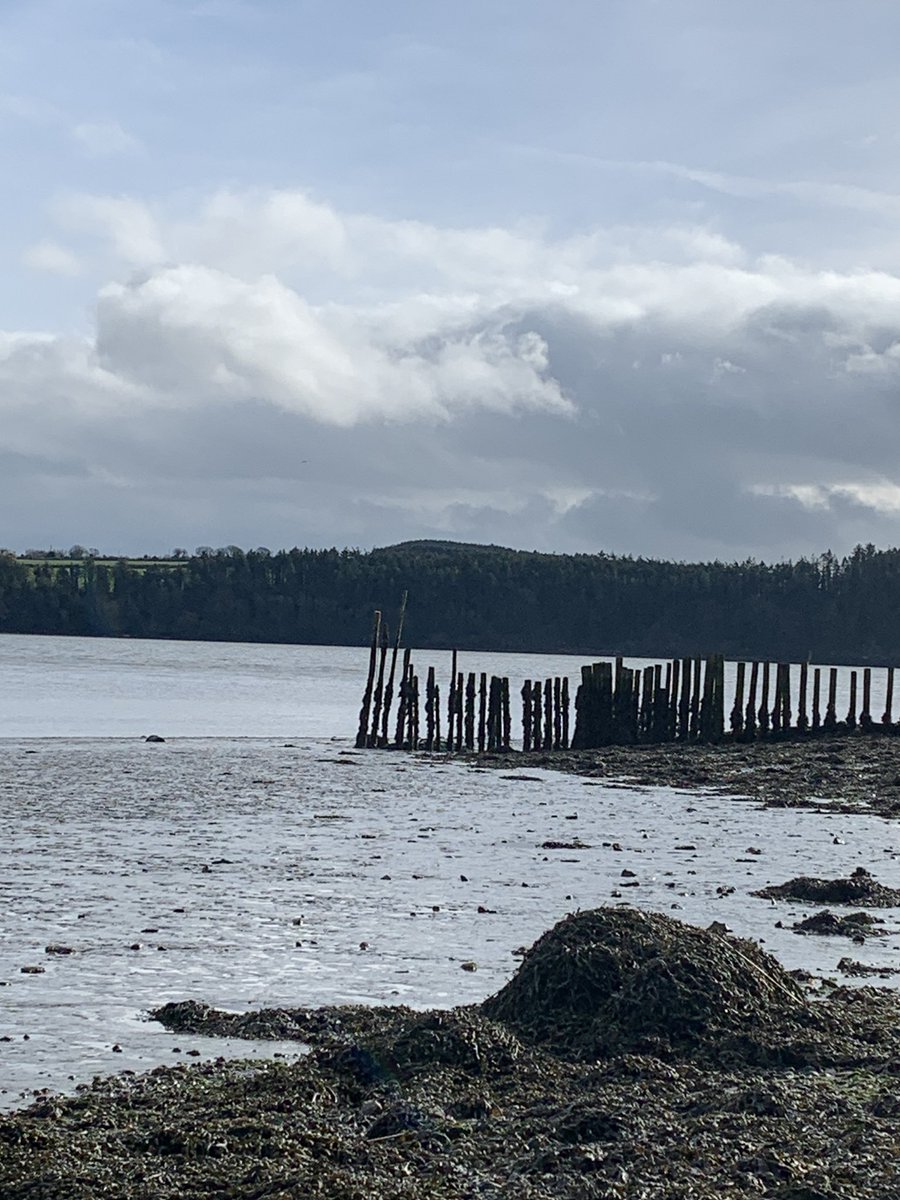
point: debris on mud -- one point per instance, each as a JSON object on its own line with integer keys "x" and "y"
{"x": 630, "y": 1058}
{"x": 861, "y": 888}
{"x": 828, "y": 924}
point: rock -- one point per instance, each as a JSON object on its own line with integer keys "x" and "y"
{"x": 32, "y": 970}
{"x": 54, "y": 948}
{"x": 468, "y": 966}
{"x": 154, "y": 737}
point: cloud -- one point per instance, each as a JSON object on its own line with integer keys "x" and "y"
{"x": 53, "y": 258}
{"x": 266, "y": 368}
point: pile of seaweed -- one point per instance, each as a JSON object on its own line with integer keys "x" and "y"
{"x": 861, "y": 888}
{"x": 828, "y": 924}
{"x": 612, "y": 980}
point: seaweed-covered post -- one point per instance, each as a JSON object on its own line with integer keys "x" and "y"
{"x": 634, "y": 682}
{"x": 363, "y": 731}
{"x": 851, "y": 711}
{"x": 403, "y": 699}
{"x": 413, "y": 737}
{"x": 750, "y": 712}
{"x": 603, "y": 683}
{"x": 763, "y": 713}
{"x": 389, "y": 689}
{"x": 470, "y": 711}
{"x": 816, "y": 701}
{"x": 564, "y": 701}
{"x": 775, "y": 715}
{"x": 537, "y": 711}
{"x": 505, "y": 714}
{"x": 526, "y": 715}
{"x": 482, "y": 711}
{"x": 557, "y": 713}
{"x": 865, "y": 717}
{"x": 802, "y": 719}
{"x": 737, "y": 709}
{"x": 460, "y": 697}
{"x": 704, "y": 725}
{"x": 831, "y": 710}
{"x": 887, "y": 716}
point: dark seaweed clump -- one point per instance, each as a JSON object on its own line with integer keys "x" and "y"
{"x": 828, "y": 924}
{"x": 617, "y": 980}
{"x": 861, "y": 888}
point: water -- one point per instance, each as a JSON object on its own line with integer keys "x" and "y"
{"x": 250, "y": 855}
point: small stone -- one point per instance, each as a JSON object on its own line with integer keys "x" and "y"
{"x": 117, "y": 1049}
{"x": 468, "y": 966}
{"x": 32, "y": 970}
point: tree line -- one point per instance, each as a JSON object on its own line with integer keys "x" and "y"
{"x": 828, "y": 609}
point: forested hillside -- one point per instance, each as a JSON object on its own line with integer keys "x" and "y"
{"x": 473, "y": 597}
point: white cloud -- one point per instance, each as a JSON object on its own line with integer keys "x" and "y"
{"x": 53, "y": 258}
{"x": 462, "y": 380}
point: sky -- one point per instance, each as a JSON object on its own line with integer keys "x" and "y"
{"x": 582, "y": 276}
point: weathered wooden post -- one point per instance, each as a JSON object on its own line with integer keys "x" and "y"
{"x": 557, "y": 712}
{"x": 695, "y": 699}
{"x": 482, "y": 711}
{"x": 831, "y": 710}
{"x": 470, "y": 711}
{"x": 775, "y": 715}
{"x": 605, "y": 698}
{"x": 429, "y": 710}
{"x": 451, "y": 702}
{"x": 526, "y": 716}
{"x": 802, "y": 719}
{"x": 684, "y": 706}
{"x": 363, "y": 731}
{"x": 786, "y": 713}
{"x": 817, "y": 697}
{"x": 437, "y": 716}
{"x": 851, "y": 711}
{"x": 460, "y": 698}
{"x": 565, "y": 712}
{"x": 865, "y": 717}
{"x": 737, "y": 709}
{"x": 548, "y": 714}
{"x": 379, "y": 687}
{"x": 413, "y": 710}
{"x": 762, "y": 715}
{"x": 505, "y": 714}
{"x": 750, "y": 712}
{"x": 389, "y": 689}
{"x": 674, "y": 686}
{"x": 537, "y": 715}
{"x": 403, "y": 700}
{"x": 645, "y": 720}
{"x": 887, "y": 716}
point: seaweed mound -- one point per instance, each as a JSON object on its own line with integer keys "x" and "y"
{"x": 861, "y": 888}
{"x": 826, "y": 924}
{"x": 614, "y": 980}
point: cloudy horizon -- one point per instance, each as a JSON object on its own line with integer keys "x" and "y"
{"x": 618, "y": 276}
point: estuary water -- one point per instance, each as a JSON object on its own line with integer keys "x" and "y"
{"x": 254, "y": 858}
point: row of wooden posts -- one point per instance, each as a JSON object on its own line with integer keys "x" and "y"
{"x": 682, "y": 700}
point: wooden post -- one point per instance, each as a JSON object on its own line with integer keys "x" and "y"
{"x": 684, "y": 706}
{"x": 786, "y": 712}
{"x": 851, "y": 711}
{"x": 413, "y": 709}
{"x": 469, "y": 720}
{"x": 887, "y": 717}
{"x": 389, "y": 690}
{"x": 750, "y": 711}
{"x": 548, "y": 715}
{"x": 865, "y": 717}
{"x": 526, "y": 716}
{"x": 429, "y": 710}
{"x": 379, "y": 687}
{"x": 776, "y": 700}
{"x": 557, "y": 713}
{"x": 506, "y": 715}
{"x": 537, "y": 711}
{"x": 817, "y": 696}
{"x": 363, "y": 731}
{"x": 437, "y": 716}
{"x": 645, "y": 719}
{"x": 451, "y": 703}
{"x": 831, "y": 711}
{"x": 565, "y": 713}
{"x": 674, "y": 685}
{"x": 460, "y": 701}
{"x": 762, "y": 715}
{"x": 482, "y": 711}
{"x": 695, "y": 700}
{"x": 403, "y": 706}
{"x": 802, "y": 719}
{"x": 737, "y": 709}
{"x": 603, "y": 682}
